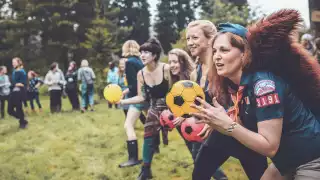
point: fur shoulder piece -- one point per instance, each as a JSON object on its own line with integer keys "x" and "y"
{"x": 274, "y": 50}
{"x": 269, "y": 36}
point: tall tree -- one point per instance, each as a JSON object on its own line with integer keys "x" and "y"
{"x": 43, "y": 31}
{"x": 165, "y": 24}
{"x": 134, "y": 14}
{"x": 173, "y": 17}
{"x": 184, "y": 10}
{"x": 219, "y": 12}
{"x": 227, "y": 12}
{"x": 207, "y": 6}
{"x": 102, "y": 40}
{"x": 236, "y": 2}
{"x": 46, "y": 21}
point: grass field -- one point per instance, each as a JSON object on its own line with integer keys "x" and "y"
{"x": 71, "y": 145}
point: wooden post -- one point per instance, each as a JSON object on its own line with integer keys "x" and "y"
{"x": 314, "y": 12}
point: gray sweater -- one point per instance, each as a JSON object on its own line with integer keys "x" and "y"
{"x": 55, "y": 80}
{"x": 86, "y": 75}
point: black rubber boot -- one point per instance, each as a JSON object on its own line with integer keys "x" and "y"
{"x": 165, "y": 139}
{"x": 145, "y": 173}
{"x": 132, "y": 147}
{"x": 23, "y": 124}
{"x": 156, "y": 139}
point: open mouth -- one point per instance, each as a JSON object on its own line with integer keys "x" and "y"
{"x": 219, "y": 65}
{"x": 192, "y": 48}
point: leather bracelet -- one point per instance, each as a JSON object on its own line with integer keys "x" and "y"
{"x": 232, "y": 127}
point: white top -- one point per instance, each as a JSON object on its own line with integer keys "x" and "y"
{"x": 55, "y": 80}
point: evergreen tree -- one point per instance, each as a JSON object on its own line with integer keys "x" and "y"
{"x": 184, "y": 10}
{"x": 207, "y": 6}
{"x": 134, "y": 14}
{"x": 227, "y": 12}
{"x": 102, "y": 40}
{"x": 165, "y": 24}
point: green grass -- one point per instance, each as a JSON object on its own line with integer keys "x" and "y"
{"x": 86, "y": 146}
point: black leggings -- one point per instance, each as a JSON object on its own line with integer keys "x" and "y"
{"x": 115, "y": 105}
{"x": 15, "y": 109}
{"x": 55, "y": 101}
{"x": 194, "y": 148}
{"x": 34, "y": 96}
{"x": 74, "y": 98}
{"x": 218, "y": 148}
{"x": 3, "y": 100}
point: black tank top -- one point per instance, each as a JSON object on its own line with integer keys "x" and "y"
{"x": 157, "y": 91}
{"x": 199, "y": 75}
{"x": 208, "y": 98}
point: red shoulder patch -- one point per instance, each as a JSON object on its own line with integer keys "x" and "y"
{"x": 268, "y": 100}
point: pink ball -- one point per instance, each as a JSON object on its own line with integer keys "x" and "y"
{"x": 166, "y": 118}
{"x": 190, "y": 130}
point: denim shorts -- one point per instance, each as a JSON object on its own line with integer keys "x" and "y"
{"x": 141, "y": 106}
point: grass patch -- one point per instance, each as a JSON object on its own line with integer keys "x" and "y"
{"x": 71, "y": 145}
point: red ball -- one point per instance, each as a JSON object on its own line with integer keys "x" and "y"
{"x": 166, "y": 118}
{"x": 190, "y": 130}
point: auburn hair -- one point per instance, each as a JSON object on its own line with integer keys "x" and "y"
{"x": 218, "y": 85}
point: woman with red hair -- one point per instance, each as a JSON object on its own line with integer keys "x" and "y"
{"x": 273, "y": 85}
{"x": 217, "y": 148}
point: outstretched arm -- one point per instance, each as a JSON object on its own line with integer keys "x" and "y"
{"x": 141, "y": 95}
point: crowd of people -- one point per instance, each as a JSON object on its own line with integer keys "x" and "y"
{"x": 23, "y": 87}
{"x": 261, "y": 96}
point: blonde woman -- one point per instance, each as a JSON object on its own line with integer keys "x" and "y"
{"x": 199, "y": 36}
{"x": 133, "y": 65}
{"x": 18, "y": 93}
{"x": 87, "y": 77}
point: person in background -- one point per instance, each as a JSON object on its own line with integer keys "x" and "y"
{"x": 87, "y": 77}
{"x": 122, "y": 82}
{"x": 4, "y": 88}
{"x": 33, "y": 90}
{"x": 72, "y": 85}
{"x": 317, "y": 49}
{"x": 112, "y": 77}
{"x": 306, "y": 41}
{"x": 19, "y": 93}
{"x": 55, "y": 80}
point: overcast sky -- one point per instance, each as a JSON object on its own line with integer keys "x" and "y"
{"x": 267, "y": 6}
